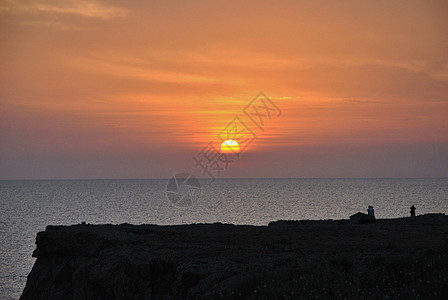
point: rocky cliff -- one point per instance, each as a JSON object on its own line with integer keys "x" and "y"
{"x": 287, "y": 259}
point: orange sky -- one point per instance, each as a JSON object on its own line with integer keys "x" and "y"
{"x": 135, "y": 89}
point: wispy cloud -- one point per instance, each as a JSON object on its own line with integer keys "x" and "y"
{"x": 83, "y": 8}
{"x": 358, "y": 101}
{"x": 110, "y": 67}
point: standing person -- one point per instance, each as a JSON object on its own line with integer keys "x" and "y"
{"x": 412, "y": 211}
{"x": 370, "y": 211}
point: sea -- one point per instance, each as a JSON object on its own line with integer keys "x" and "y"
{"x": 28, "y": 206}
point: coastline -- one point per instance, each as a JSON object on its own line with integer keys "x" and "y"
{"x": 404, "y": 257}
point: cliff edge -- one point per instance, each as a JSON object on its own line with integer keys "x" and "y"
{"x": 397, "y": 258}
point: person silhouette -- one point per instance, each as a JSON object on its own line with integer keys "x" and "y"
{"x": 412, "y": 210}
{"x": 371, "y": 211}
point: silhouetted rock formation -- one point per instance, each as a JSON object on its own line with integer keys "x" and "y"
{"x": 293, "y": 259}
{"x": 360, "y": 218}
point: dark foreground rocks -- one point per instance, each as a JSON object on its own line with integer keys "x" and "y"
{"x": 397, "y": 258}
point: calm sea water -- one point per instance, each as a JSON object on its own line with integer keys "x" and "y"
{"x": 26, "y": 207}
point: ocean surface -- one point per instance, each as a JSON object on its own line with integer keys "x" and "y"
{"x": 27, "y": 207}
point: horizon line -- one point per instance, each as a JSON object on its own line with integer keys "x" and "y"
{"x": 220, "y": 178}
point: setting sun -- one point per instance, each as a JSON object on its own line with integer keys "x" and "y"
{"x": 230, "y": 146}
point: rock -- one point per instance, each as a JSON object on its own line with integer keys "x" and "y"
{"x": 226, "y": 261}
{"x": 360, "y": 218}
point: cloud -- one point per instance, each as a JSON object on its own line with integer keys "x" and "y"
{"x": 361, "y": 101}
{"x": 121, "y": 69}
{"x": 83, "y": 8}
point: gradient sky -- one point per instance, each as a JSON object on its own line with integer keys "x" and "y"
{"x": 135, "y": 89}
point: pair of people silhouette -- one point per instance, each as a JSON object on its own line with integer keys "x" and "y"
{"x": 371, "y": 211}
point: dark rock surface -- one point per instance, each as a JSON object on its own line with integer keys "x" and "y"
{"x": 360, "y": 218}
{"x": 394, "y": 258}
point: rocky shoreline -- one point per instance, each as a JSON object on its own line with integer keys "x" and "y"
{"x": 395, "y": 258}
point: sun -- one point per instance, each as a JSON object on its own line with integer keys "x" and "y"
{"x": 229, "y": 146}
